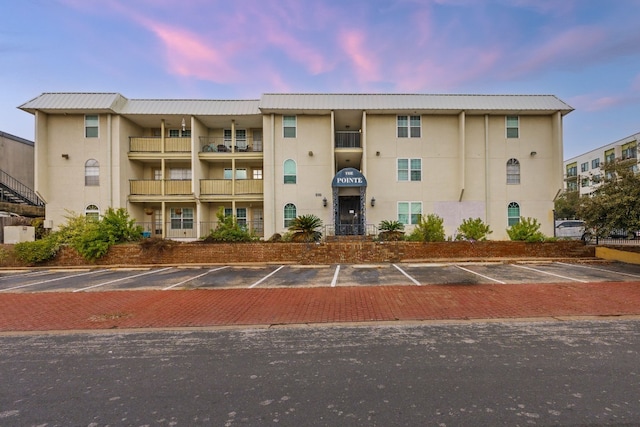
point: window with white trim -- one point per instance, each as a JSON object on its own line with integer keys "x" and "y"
{"x": 289, "y": 126}
{"x": 409, "y": 212}
{"x": 513, "y": 126}
{"x": 290, "y": 171}
{"x": 182, "y": 218}
{"x": 241, "y": 173}
{"x": 595, "y": 163}
{"x": 409, "y": 169}
{"x": 409, "y": 126}
{"x": 180, "y": 173}
{"x": 92, "y": 212}
{"x": 179, "y": 133}
{"x": 241, "y": 215}
{"x": 91, "y": 126}
{"x": 513, "y": 171}
{"x": 91, "y": 173}
{"x": 290, "y": 212}
{"x": 241, "y": 138}
{"x": 257, "y": 174}
{"x": 513, "y": 214}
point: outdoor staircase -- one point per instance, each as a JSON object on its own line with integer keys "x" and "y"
{"x": 15, "y": 192}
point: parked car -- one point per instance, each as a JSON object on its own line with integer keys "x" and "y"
{"x": 570, "y": 229}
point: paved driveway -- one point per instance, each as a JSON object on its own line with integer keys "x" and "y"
{"x": 291, "y": 276}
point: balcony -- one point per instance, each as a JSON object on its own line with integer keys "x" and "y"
{"x": 215, "y": 145}
{"x": 154, "y": 145}
{"x": 348, "y": 139}
{"x": 224, "y": 187}
{"x": 159, "y": 187}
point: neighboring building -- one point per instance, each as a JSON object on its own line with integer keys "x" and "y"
{"x": 584, "y": 173}
{"x": 17, "y": 176}
{"x": 351, "y": 159}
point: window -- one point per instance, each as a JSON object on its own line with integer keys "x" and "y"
{"x": 92, "y": 212}
{"x": 572, "y": 170}
{"x": 513, "y": 213}
{"x": 572, "y": 185}
{"x": 596, "y": 179}
{"x": 409, "y": 126}
{"x": 257, "y": 174}
{"x": 409, "y": 212}
{"x": 584, "y": 167}
{"x": 177, "y": 133}
{"x": 289, "y": 126}
{"x": 584, "y": 182}
{"x": 180, "y": 173}
{"x": 289, "y": 171}
{"x": 241, "y": 138}
{"x": 240, "y": 173}
{"x": 241, "y": 216}
{"x": 513, "y": 171}
{"x": 91, "y": 126}
{"x": 595, "y": 163}
{"x": 409, "y": 169}
{"x": 181, "y": 218}
{"x": 630, "y": 150}
{"x": 609, "y": 155}
{"x": 91, "y": 173}
{"x": 513, "y": 125}
{"x": 289, "y": 214}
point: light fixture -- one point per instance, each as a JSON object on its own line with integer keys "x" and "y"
{"x": 66, "y": 156}
{"x": 373, "y": 201}
{"x": 310, "y": 153}
{"x": 148, "y": 211}
{"x": 324, "y": 202}
{"x": 533, "y": 153}
{"x": 184, "y": 125}
{"x": 378, "y": 153}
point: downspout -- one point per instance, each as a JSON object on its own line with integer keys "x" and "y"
{"x": 109, "y": 162}
{"x": 462, "y": 140}
{"x": 487, "y": 194}
{"x": 273, "y": 166}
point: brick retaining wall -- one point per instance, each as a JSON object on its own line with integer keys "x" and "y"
{"x": 352, "y": 252}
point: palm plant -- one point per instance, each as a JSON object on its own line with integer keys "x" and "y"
{"x": 391, "y": 230}
{"x": 305, "y": 228}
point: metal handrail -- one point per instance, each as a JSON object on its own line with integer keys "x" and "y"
{"x": 21, "y": 190}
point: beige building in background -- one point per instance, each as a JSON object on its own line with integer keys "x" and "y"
{"x": 351, "y": 159}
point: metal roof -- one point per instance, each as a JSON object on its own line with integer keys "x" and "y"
{"x": 293, "y": 102}
{"x": 406, "y": 102}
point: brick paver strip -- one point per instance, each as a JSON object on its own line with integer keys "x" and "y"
{"x": 268, "y": 306}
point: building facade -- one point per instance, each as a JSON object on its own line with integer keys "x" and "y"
{"x": 585, "y": 173}
{"x": 353, "y": 160}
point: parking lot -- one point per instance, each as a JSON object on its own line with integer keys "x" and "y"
{"x": 273, "y": 276}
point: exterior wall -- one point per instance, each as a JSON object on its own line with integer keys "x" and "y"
{"x": 17, "y": 158}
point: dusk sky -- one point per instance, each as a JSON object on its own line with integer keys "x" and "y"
{"x": 586, "y": 52}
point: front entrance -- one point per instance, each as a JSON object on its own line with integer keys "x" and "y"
{"x": 349, "y": 195}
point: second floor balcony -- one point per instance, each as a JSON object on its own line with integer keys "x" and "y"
{"x": 209, "y": 144}
{"x": 150, "y": 144}
{"x": 227, "y": 187}
{"x": 160, "y": 187}
{"x": 348, "y": 139}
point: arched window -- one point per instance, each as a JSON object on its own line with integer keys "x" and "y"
{"x": 513, "y": 213}
{"x": 289, "y": 214}
{"x": 91, "y": 172}
{"x": 92, "y": 211}
{"x": 513, "y": 171}
{"x": 289, "y": 171}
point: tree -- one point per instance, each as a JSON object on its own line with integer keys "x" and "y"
{"x": 615, "y": 205}
{"x": 567, "y": 204}
{"x": 473, "y": 229}
{"x": 429, "y": 229}
{"x": 305, "y": 228}
{"x": 526, "y": 230}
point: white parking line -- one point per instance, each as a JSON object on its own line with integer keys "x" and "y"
{"x": 599, "y": 269}
{"x": 267, "y": 276}
{"x": 121, "y": 279}
{"x": 481, "y": 275}
{"x": 550, "y": 274}
{"x": 27, "y": 274}
{"x": 51, "y": 280}
{"x": 335, "y": 277}
{"x": 410, "y": 278}
{"x": 193, "y": 278}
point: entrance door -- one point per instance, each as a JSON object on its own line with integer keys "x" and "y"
{"x": 348, "y": 215}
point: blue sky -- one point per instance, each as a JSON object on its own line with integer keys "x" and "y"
{"x": 586, "y": 52}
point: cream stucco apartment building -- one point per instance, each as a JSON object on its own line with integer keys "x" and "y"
{"x": 351, "y": 159}
{"x": 584, "y": 173}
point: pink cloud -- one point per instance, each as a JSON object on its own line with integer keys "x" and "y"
{"x": 594, "y": 102}
{"x": 365, "y": 65}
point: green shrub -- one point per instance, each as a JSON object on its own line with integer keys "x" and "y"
{"x": 304, "y": 228}
{"x": 228, "y": 230}
{"x": 391, "y": 230}
{"x": 94, "y": 242}
{"x": 473, "y": 229}
{"x": 429, "y": 229}
{"x": 36, "y": 251}
{"x": 3, "y": 255}
{"x": 119, "y": 226}
{"x": 526, "y": 230}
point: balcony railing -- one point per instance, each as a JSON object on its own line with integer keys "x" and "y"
{"x": 154, "y": 187}
{"x": 154, "y": 145}
{"x": 209, "y": 144}
{"x": 225, "y": 186}
{"x": 347, "y": 139}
